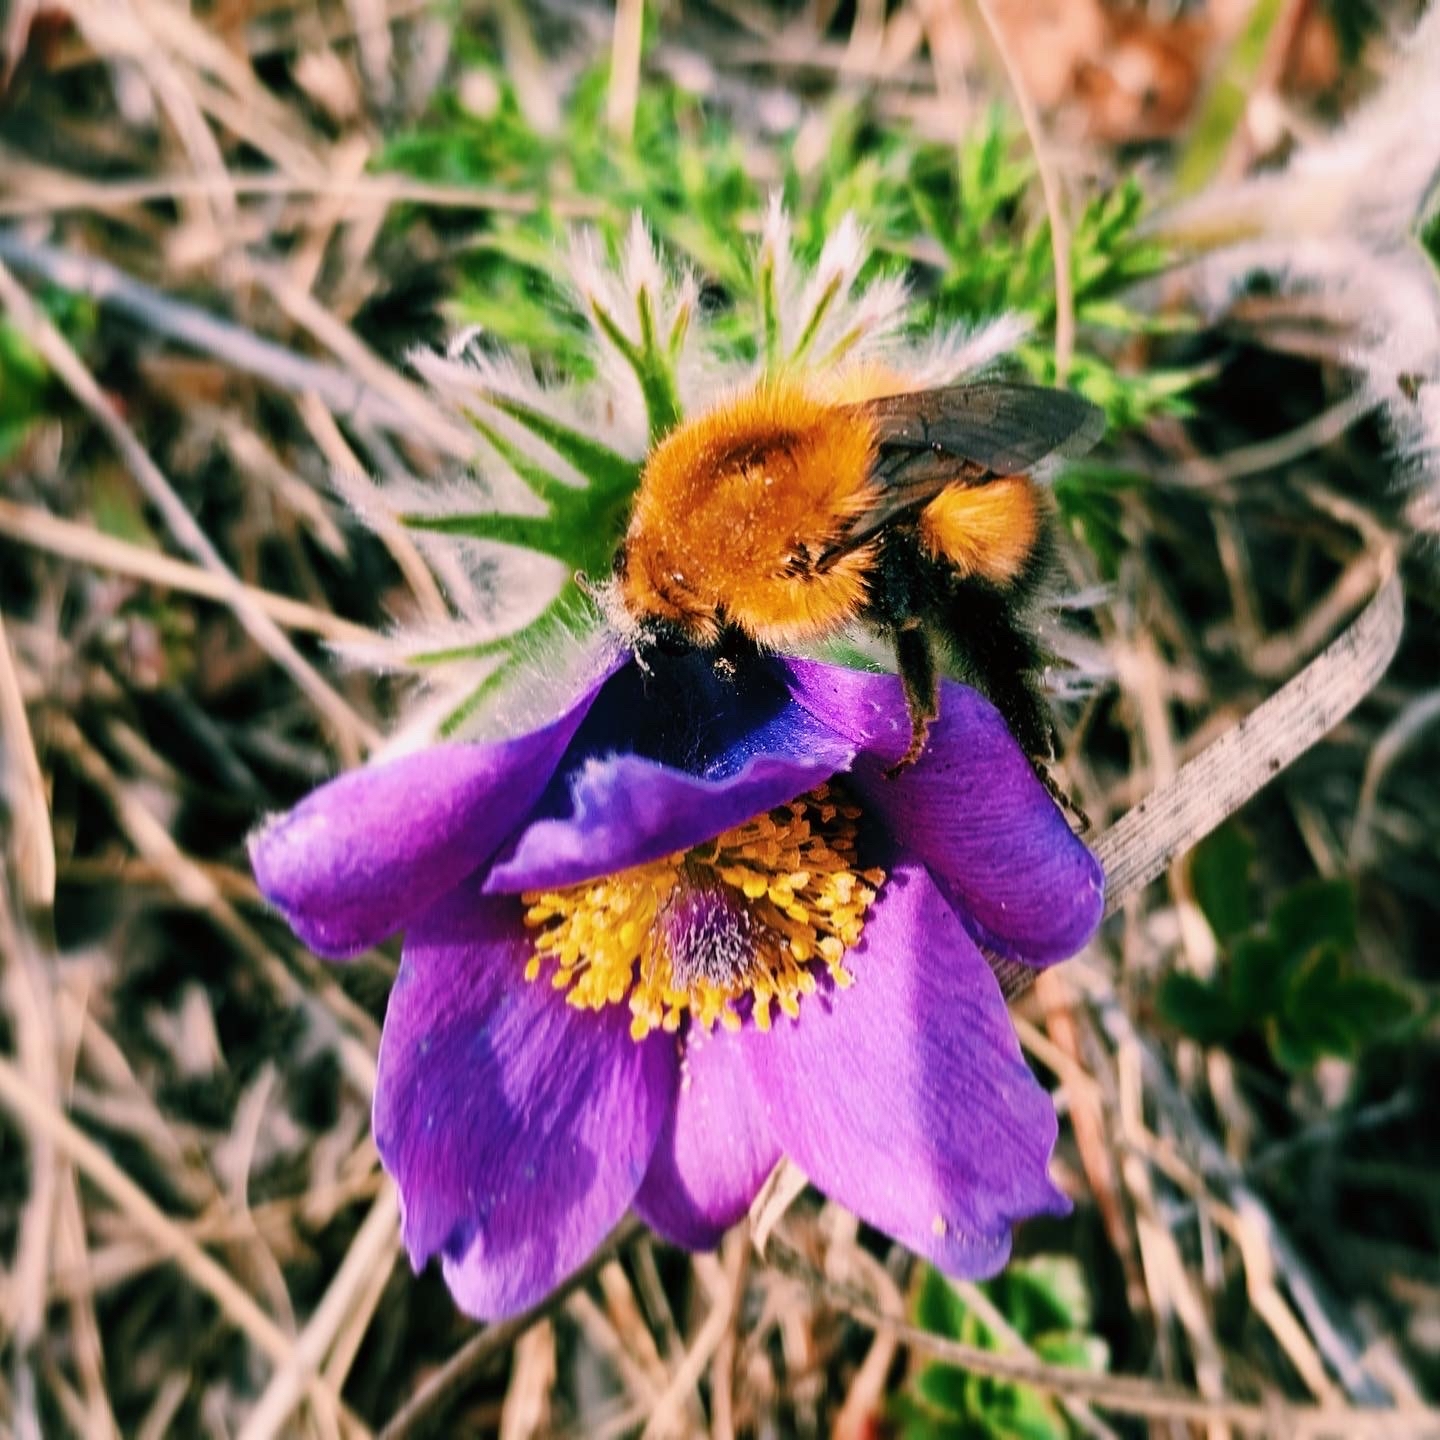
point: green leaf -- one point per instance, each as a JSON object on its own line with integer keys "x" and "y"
{"x": 1317, "y": 912}
{"x": 915, "y": 1420}
{"x": 1259, "y": 973}
{"x": 938, "y": 1308}
{"x": 526, "y": 532}
{"x": 1293, "y": 1049}
{"x": 1078, "y": 1352}
{"x": 1060, "y": 1279}
{"x": 490, "y": 687}
{"x": 1201, "y": 1011}
{"x": 1309, "y": 994}
{"x": 1046, "y": 1300}
{"x": 1041, "y": 1295}
{"x": 946, "y": 1388}
{"x": 598, "y": 463}
{"x": 1024, "y": 1414}
{"x": 570, "y": 612}
{"x": 1428, "y": 228}
{"x": 1310, "y": 1023}
{"x": 1332, "y": 1008}
{"x": 1374, "y": 1007}
{"x": 1223, "y": 108}
{"x": 1220, "y": 877}
{"x": 649, "y": 359}
{"x": 118, "y": 511}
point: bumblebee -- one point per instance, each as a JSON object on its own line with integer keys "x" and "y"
{"x": 784, "y": 515}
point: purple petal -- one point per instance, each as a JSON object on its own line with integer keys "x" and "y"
{"x": 715, "y": 1149}
{"x": 517, "y": 1127}
{"x": 609, "y": 813}
{"x": 363, "y": 855}
{"x": 972, "y": 808}
{"x": 906, "y": 1099}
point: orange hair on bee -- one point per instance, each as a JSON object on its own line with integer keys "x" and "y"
{"x": 865, "y": 380}
{"x": 736, "y": 508}
{"x": 986, "y": 531}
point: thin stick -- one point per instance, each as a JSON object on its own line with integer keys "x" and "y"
{"x": 24, "y": 985}
{"x": 625, "y": 68}
{"x": 55, "y": 192}
{"x": 32, "y": 843}
{"x": 45, "y": 1123}
{"x": 1216, "y": 783}
{"x": 427, "y": 1407}
{"x": 1320, "y": 430}
{"x": 39, "y": 528}
{"x": 1402, "y": 732}
{"x": 403, "y": 550}
{"x": 712, "y": 1332}
{"x": 374, "y": 1247}
{"x": 529, "y": 73}
{"x": 1122, "y": 1394}
{"x": 376, "y": 47}
{"x": 1049, "y": 188}
{"x": 357, "y": 1324}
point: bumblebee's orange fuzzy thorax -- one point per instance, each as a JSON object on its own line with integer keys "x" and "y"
{"x": 737, "y": 506}
{"x": 986, "y": 531}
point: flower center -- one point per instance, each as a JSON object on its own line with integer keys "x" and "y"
{"x": 739, "y": 924}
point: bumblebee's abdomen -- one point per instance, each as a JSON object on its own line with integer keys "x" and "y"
{"x": 987, "y": 532}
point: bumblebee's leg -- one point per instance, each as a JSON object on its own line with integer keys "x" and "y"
{"x": 993, "y": 647}
{"x": 915, "y": 657}
{"x": 1067, "y": 803}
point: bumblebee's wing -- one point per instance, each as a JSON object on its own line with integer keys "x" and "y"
{"x": 967, "y": 434}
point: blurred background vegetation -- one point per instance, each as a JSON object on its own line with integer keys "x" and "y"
{"x": 223, "y": 227}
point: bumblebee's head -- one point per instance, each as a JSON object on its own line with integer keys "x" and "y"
{"x": 662, "y": 600}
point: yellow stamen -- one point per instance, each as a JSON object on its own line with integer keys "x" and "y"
{"x": 757, "y": 911}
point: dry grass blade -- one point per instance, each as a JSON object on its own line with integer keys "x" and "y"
{"x": 423, "y": 1413}
{"x": 666, "y": 1409}
{"x": 373, "y": 1248}
{"x": 52, "y": 192}
{"x": 32, "y": 843}
{"x": 26, "y": 995}
{"x": 44, "y": 531}
{"x": 332, "y": 1014}
{"x": 353, "y": 734}
{"x": 424, "y": 417}
{"x": 1217, "y": 782}
{"x": 45, "y": 1124}
{"x": 347, "y": 394}
{"x": 625, "y": 67}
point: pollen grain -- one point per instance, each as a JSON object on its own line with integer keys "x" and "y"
{"x": 726, "y": 932}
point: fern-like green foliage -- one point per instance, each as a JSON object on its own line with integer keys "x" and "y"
{"x": 965, "y": 224}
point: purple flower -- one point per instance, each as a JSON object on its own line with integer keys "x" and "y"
{"x": 685, "y": 930}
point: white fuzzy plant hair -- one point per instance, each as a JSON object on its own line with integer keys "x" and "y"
{"x": 556, "y": 463}
{"x": 1342, "y": 222}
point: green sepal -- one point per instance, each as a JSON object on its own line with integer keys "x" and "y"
{"x": 603, "y": 467}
